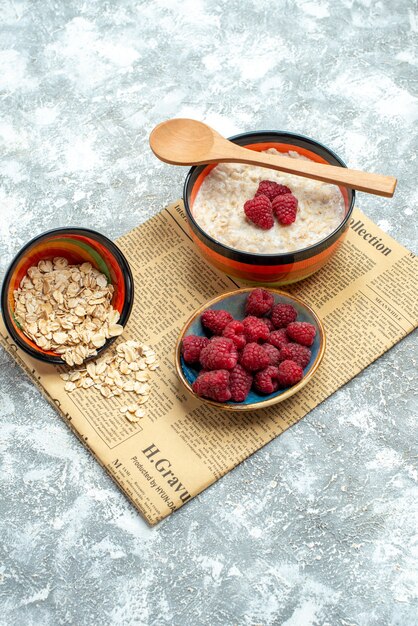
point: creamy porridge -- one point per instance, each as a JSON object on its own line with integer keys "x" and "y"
{"x": 218, "y": 208}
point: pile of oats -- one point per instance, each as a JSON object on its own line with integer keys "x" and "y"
{"x": 127, "y": 369}
{"x": 67, "y": 309}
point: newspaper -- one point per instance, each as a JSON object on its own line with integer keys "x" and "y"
{"x": 367, "y": 296}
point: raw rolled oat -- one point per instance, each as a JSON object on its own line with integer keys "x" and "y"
{"x": 124, "y": 370}
{"x": 67, "y": 309}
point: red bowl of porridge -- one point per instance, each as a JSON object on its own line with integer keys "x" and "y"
{"x": 214, "y": 196}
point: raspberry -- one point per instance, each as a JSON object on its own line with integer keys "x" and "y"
{"x": 285, "y": 208}
{"x": 271, "y": 189}
{"x": 278, "y": 338}
{"x": 295, "y": 352}
{"x": 191, "y": 347}
{"x": 259, "y": 211}
{"x": 240, "y": 382}
{"x": 255, "y": 329}
{"x": 254, "y": 357}
{"x": 283, "y": 314}
{"x": 259, "y": 302}
{"x": 216, "y": 320}
{"x": 235, "y": 331}
{"x": 301, "y": 332}
{"x": 290, "y": 373}
{"x": 219, "y": 354}
{"x": 273, "y": 353}
{"x": 268, "y": 323}
{"x": 266, "y": 381}
{"x": 213, "y": 385}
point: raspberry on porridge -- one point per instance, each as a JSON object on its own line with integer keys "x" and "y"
{"x": 218, "y": 208}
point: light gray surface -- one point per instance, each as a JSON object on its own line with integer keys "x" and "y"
{"x": 319, "y": 527}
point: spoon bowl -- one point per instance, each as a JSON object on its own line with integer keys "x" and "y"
{"x": 189, "y": 142}
{"x": 182, "y": 144}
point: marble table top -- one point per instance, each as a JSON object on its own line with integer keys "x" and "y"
{"x": 319, "y": 527}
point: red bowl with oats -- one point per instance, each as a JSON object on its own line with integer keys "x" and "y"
{"x": 77, "y": 245}
{"x": 277, "y": 268}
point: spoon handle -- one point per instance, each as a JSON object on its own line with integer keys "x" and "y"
{"x": 377, "y": 184}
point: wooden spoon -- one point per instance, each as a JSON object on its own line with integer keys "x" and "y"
{"x": 189, "y": 142}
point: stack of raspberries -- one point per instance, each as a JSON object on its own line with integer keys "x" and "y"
{"x": 266, "y": 351}
{"x": 271, "y": 199}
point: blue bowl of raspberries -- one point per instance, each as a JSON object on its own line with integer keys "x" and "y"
{"x": 249, "y": 349}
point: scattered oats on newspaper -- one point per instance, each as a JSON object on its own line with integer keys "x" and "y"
{"x": 126, "y": 369}
{"x": 67, "y": 309}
